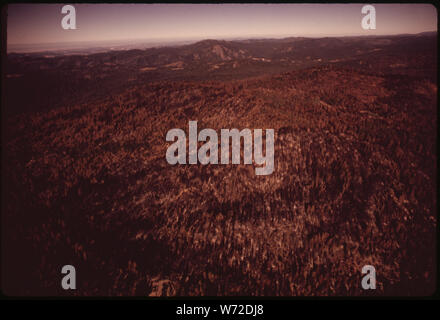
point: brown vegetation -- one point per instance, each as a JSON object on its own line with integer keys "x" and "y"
{"x": 354, "y": 184}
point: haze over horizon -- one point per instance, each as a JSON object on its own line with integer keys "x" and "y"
{"x": 39, "y": 25}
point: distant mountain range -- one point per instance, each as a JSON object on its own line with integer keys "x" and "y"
{"x": 90, "y": 47}
{"x": 114, "y": 70}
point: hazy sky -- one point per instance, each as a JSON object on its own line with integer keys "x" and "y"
{"x": 41, "y": 23}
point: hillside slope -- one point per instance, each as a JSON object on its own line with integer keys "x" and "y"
{"x": 354, "y": 184}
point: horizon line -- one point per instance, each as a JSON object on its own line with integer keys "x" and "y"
{"x": 135, "y": 41}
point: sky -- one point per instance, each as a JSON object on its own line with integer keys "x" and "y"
{"x": 41, "y": 23}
